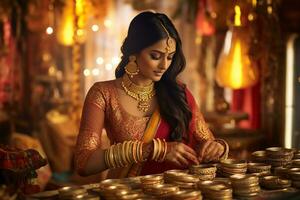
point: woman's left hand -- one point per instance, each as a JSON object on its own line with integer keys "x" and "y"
{"x": 210, "y": 150}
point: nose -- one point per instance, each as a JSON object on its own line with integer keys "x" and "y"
{"x": 164, "y": 64}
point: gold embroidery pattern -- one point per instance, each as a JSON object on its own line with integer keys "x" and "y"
{"x": 95, "y": 96}
{"x": 119, "y": 124}
{"x": 202, "y": 131}
{"x": 122, "y": 126}
{"x": 87, "y": 142}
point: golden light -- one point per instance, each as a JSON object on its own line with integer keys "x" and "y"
{"x": 108, "y": 66}
{"x": 235, "y": 69}
{"x": 237, "y": 17}
{"x": 107, "y": 23}
{"x": 115, "y": 60}
{"x": 269, "y": 9}
{"x": 66, "y": 28}
{"x": 95, "y": 28}
{"x": 250, "y": 17}
{"x": 99, "y": 60}
{"x": 95, "y": 72}
{"x": 49, "y": 30}
{"x": 86, "y": 72}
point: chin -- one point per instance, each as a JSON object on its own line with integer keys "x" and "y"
{"x": 156, "y": 78}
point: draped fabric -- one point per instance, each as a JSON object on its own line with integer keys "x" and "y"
{"x": 121, "y": 126}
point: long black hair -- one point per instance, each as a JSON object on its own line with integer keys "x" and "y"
{"x": 145, "y": 30}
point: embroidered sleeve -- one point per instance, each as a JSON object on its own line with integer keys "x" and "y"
{"x": 202, "y": 131}
{"x": 92, "y": 120}
{"x": 95, "y": 96}
{"x": 198, "y": 125}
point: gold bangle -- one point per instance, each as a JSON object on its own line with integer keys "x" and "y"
{"x": 106, "y": 158}
{"x": 154, "y": 149}
{"x": 137, "y": 151}
{"x": 141, "y": 152}
{"x": 224, "y": 156}
{"x": 116, "y": 155}
{"x": 134, "y": 151}
{"x": 120, "y": 153}
{"x": 124, "y": 153}
{"x": 130, "y": 149}
{"x": 165, "y": 148}
{"x": 111, "y": 156}
{"x": 158, "y": 149}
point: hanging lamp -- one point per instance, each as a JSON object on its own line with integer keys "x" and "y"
{"x": 235, "y": 69}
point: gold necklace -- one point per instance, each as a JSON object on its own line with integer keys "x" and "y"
{"x": 142, "y": 94}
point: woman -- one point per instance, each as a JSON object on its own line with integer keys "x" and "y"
{"x": 151, "y": 119}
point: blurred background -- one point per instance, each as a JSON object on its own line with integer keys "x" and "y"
{"x": 243, "y": 67}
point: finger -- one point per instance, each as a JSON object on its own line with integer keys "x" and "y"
{"x": 182, "y": 160}
{"x": 210, "y": 151}
{"x": 190, "y": 157}
{"x": 203, "y": 148}
{"x": 190, "y": 150}
{"x": 176, "y": 163}
{"x": 211, "y": 155}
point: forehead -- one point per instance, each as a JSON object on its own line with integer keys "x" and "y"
{"x": 162, "y": 44}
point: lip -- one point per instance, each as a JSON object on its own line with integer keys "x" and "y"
{"x": 158, "y": 72}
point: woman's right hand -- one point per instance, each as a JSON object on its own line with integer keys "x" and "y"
{"x": 180, "y": 154}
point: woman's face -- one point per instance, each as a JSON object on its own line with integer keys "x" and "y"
{"x": 154, "y": 61}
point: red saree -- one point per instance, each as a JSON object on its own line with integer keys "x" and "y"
{"x": 198, "y": 131}
{"x": 121, "y": 126}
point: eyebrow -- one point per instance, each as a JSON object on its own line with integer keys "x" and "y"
{"x": 162, "y": 52}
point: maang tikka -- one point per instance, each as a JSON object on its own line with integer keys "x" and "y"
{"x": 170, "y": 43}
{"x": 131, "y": 68}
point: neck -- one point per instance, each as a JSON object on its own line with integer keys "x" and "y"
{"x": 140, "y": 81}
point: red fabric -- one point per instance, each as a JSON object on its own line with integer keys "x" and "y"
{"x": 248, "y": 100}
{"x": 163, "y": 132}
{"x": 19, "y": 161}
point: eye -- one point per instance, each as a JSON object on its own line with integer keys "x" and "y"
{"x": 155, "y": 56}
{"x": 170, "y": 57}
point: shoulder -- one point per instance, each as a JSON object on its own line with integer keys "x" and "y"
{"x": 100, "y": 93}
{"x": 102, "y": 86}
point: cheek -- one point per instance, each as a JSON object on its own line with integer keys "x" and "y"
{"x": 148, "y": 64}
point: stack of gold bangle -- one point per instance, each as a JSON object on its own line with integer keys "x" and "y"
{"x": 181, "y": 179}
{"x": 296, "y": 163}
{"x": 159, "y": 149}
{"x": 215, "y": 190}
{"x": 186, "y": 195}
{"x": 259, "y": 156}
{"x": 245, "y": 186}
{"x": 296, "y": 154}
{"x": 294, "y": 174}
{"x": 231, "y": 166}
{"x": 161, "y": 191}
{"x": 206, "y": 172}
{"x": 279, "y": 157}
{"x": 274, "y": 182}
{"x": 259, "y": 169}
{"x": 123, "y": 154}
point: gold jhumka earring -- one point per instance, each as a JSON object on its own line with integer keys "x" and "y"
{"x": 131, "y": 68}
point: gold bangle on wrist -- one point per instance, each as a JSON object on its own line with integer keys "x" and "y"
{"x": 224, "y": 156}
{"x": 159, "y": 150}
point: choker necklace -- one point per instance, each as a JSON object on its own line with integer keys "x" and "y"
{"x": 142, "y": 94}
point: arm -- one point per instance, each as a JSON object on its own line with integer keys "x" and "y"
{"x": 208, "y": 148}
{"x": 89, "y": 157}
